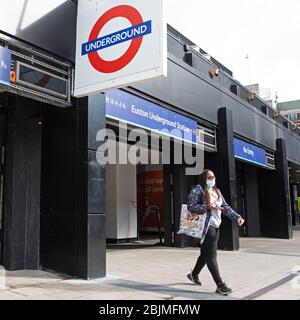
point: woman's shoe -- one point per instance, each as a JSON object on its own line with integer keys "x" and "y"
{"x": 194, "y": 279}
{"x": 223, "y": 289}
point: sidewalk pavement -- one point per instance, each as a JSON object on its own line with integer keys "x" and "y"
{"x": 262, "y": 269}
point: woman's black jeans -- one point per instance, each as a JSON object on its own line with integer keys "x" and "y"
{"x": 209, "y": 255}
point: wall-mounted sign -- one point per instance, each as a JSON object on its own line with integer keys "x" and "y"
{"x": 139, "y": 112}
{"x": 5, "y": 62}
{"x": 249, "y": 152}
{"x": 119, "y": 42}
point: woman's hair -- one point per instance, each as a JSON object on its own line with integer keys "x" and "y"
{"x": 202, "y": 182}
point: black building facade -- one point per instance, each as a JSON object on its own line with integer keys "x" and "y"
{"x": 54, "y": 192}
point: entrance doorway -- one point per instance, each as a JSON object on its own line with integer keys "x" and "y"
{"x": 294, "y": 203}
{"x": 134, "y": 202}
{"x": 294, "y": 184}
{"x": 241, "y": 198}
{"x": 249, "y": 198}
{"x": 150, "y": 204}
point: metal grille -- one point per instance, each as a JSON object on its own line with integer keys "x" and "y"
{"x": 43, "y": 63}
{"x": 207, "y": 137}
{"x": 270, "y": 160}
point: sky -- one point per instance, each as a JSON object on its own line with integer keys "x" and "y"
{"x": 268, "y": 31}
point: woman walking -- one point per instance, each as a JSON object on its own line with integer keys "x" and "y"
{"x": 207, "y": 198}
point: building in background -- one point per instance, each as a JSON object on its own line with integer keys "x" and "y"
{"x": 291, "y": 110}
{"x": 266, "y": 94}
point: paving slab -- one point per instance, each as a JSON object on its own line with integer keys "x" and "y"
{"x": 262, "y": 269}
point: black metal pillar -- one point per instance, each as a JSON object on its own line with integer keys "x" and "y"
{"x": 182, "y": 184}
{"x": 92, "y": 190}
{"x": 180, "y": 193}
{"x": 226, "y": 179}
{"x": 284, "y": 204}
{"x": 73, "y": 235}
{"x": 21, "y": 224}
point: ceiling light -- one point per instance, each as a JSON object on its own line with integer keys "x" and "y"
{"x": 214, "y": 71}
{"x": 251, "y": 96}
{"x": 275, "y": 114}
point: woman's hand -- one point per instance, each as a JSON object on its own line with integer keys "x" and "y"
{"x": 210, "y": 207}
{"x": 240, "y": 221}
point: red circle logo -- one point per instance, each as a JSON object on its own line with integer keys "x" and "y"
{"x": 134, "y": 17}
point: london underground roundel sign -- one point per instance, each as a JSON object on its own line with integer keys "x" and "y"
{"x": 119, "y": 43}
{"x": 135, "y": 19}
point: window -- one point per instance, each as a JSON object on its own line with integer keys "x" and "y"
{"x": 293, "y": 116}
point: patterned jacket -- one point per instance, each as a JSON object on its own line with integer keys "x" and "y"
{"x": 196, "y": 203}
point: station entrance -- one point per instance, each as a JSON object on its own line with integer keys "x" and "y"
{"x": 135, "y": 202}
{"x": 294, "y": 181}
{"x": 144, "y": 200}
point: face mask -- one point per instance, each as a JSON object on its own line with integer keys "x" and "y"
{"x": 210, "y": 183}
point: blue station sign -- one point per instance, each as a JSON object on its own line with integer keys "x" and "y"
{"x": 125, "y": 107}
{"x": 5, "y": 62}
{"x": 249, "y": 152}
